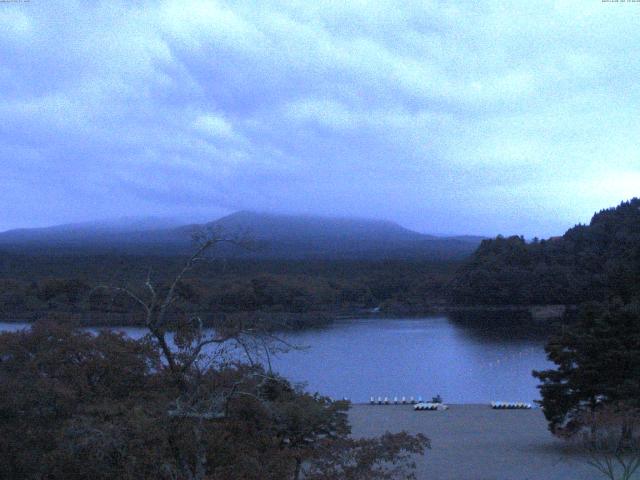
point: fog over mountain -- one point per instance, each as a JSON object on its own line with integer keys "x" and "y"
{"x": 273, "y": 236}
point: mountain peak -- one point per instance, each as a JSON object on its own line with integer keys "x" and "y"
{"x": 283, "y": 236}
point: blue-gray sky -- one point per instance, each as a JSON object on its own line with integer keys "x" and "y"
{"x": 458, "y": 117}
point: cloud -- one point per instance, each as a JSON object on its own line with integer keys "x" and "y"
{"x": 445, "y": 116}
{"x": 215, "y": 126}
{"x": 17, "y": 23}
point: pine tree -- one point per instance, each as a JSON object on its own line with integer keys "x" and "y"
{"x": 598, "y": 364}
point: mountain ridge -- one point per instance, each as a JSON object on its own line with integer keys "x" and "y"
{"x": 280, "y": 235}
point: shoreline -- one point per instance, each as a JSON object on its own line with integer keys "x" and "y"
{"x": 476, "y": 442}
{"x": 301, "y": 320}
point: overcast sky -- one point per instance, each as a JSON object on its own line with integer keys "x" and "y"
{"x": 448, "y": 117}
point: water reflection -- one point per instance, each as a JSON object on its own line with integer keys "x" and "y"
{"x": 501, "y": 327}
{"x": 463, "y": 361}
{"x": 404, "y": 357}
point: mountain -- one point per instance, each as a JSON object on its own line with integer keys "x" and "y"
{"x": 84, "y": 231}
{"x": 595, "y": 262}
{"x": 273, "y": 236}
{"x": 88, "y": 237}
{"x": 289, "y": 236}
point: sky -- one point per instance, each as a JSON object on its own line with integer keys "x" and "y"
{"x": 494, "y": 117}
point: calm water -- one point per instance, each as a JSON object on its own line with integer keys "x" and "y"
{"x": 411, "y": 357}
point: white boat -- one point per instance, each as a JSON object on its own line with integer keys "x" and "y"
{"x": 430, "y": 406}
{"x": 511, "y": 405}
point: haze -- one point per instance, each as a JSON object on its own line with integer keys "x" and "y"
{"x": 447, "y": 117}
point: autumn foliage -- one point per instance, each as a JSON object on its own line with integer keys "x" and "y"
{"x": 77, "y": 405}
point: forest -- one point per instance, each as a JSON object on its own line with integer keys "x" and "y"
{"x": 298, "y": 292}
{"x": 595, "y": 262}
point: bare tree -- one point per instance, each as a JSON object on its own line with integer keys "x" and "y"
{"x": 308, "y": 429}
{"x": 611, "y": 441}
{"x": 198, "y": 400}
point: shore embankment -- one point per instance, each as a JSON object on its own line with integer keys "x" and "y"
{"x": 284, "y": 320}
{"x": 475, "y": 442}
{"x": 470, "y": 314}
{"x": 536, "y": 313}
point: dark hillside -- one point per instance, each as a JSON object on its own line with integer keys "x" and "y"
{"x": 35, "y": 286}
{"x": 275, "y": 236}
{"x": 595, "y": 262}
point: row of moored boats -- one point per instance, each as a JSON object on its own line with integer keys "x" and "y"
{"x": 395, "y": 401}
{"x": 511, "y": 405}
{"x": 436, "y": 403}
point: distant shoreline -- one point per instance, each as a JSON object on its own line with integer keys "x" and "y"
{"x": 535, "y": 313}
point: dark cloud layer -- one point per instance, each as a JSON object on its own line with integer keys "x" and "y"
{"x": 505, "y": 116}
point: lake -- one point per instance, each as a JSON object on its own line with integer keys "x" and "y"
{"x": 463, "y": 361}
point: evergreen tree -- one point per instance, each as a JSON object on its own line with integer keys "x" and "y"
{"x": 598, "y": 364}
{"x": 595, "y": 262}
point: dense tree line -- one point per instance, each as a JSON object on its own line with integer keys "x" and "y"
{"x": 595, "y": 262}
{"x": 32, "y": 286}
{"x": 591, "y": 396}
